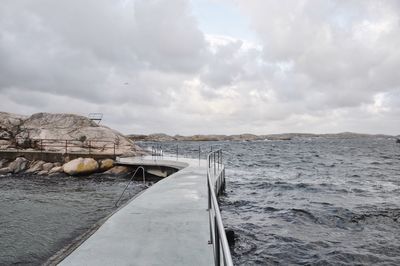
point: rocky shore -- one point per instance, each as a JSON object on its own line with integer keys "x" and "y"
{"x": 61, "y": 133}
{"x": 76, "y": 167}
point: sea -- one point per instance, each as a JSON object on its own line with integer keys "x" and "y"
{"x": 309, "y": 201}
{"x": 304, "y": 201}
{"x": 40, "y": 215}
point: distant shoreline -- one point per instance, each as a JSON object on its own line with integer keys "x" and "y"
{"x": 250, "y": 137}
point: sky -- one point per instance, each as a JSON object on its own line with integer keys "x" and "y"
{"x": 206, "y": 66}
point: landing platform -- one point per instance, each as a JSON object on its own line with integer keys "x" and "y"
{"x": 166, "y": 225}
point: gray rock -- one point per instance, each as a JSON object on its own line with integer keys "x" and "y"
{"x": 4, "y": 135}
{"x": 36, "y": 167}
{"x": 18, "y": 165}
{"x": 5, "y": 170}
{"x": 3, "y": 162}
{"x": 43, "y": 172}
{"x": 57, "y": 169}
{"x": 47, "y": 166}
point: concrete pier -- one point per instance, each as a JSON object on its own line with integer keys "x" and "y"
{"x": 166, "y": 225}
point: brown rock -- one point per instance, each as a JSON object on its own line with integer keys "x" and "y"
{"x": 81, "y": 166}
{"x": 118, "y": 170}
{"x": 106, "y": 164}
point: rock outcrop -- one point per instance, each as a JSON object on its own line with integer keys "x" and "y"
{"x": 49, "y": 132}
{"x": 81, "y": 166}
{"x": 18, "y": 165}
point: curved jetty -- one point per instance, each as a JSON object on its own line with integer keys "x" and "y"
{"x": 168, "y": 224}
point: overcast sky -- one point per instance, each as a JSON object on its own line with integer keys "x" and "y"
{"x": 206, "y": 66}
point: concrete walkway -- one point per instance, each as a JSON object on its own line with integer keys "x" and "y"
{"x": 165, "y": 225}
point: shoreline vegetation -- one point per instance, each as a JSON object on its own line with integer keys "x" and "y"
{"x": 250, "y": 137}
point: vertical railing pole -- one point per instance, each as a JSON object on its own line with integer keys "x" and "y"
{"x": 66, "y": 146}
{"x": 177, "y": 151}
{"x": 90, "y": 146}
{"x": 114, "y": 148}
{"x": 199, "y": 154}
{"x": 214, "y": 166}
{"x": 218, "y": 160}
{"x": 41, "y": 145}
{"x": 216, "y": 243}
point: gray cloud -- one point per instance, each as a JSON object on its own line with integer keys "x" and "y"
{"x": 316, "y": 66}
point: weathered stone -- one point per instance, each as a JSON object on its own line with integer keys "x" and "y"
{"x": 3, "y": 162}
{"x": 35, "y": 167}
{"x": 106, "y": 164}
{"x": 4, "y": 135}
{"x": 5, "y": 170}
{"x": 57, "y": 164}
{"x": 47, "y": 166}
{"x": 57, "y": 169}
{"x": 118, "y": 170}
{"x": 18, "y": 165}
{"x": 81, "y": 166}
{"x": 43, "y": 172}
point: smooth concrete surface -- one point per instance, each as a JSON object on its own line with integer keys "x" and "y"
{"x": 165, "y": 225}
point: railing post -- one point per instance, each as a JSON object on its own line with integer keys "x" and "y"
{"x": 199, "y": 154}
{"x": 216, "y": 243}
{"x": 114, "y": 148}
{"x": 177, "y": 151}
{"x": 41, "y": 145}
{"x": 66, "y": 146}
{"x": 214, "y": 166}
{"x": 90, "y": 146}
{"x": 218, "y": 160}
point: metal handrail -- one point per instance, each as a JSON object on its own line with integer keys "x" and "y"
{"x": 217, "y": 231}
{"x": 144, "y": 182}
{"x": 157, "y": 151}
{"x": 66, "y": 145}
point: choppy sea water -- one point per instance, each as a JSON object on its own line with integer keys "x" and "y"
{"x": 314, "y": 201}
{"x": 41, "y": 215}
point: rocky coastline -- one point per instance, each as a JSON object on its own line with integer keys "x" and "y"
{"x": 247, "y": 137}
{"x": 76, "y": 167}
{"x": 59, "y": 136}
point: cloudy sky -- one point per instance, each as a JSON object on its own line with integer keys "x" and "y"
{"x": 206, "y": 66}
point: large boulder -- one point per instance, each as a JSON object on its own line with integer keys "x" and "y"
{"x": 106, "y": 164}
{"x": 81, "y": 166}
{"x": 18, "y": 165}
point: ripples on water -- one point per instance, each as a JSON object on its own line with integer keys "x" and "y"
{"x": 40, "y": 215}
{"x": 311, "y": 201}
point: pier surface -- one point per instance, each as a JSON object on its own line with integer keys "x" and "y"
{"x": 165, "y": 225}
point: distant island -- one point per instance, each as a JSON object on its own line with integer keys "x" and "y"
{"x": 248, "y": 137}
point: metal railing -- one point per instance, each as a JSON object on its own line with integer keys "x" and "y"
{"x": 130, "y": 181}
{"x": 157, "y": 151}
{"x": 215, "y": 185}
{"x": 67, "y": 146}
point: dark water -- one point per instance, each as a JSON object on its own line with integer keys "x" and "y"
{"x": 311, "y": 201}
{"x": 40, "y": 215}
